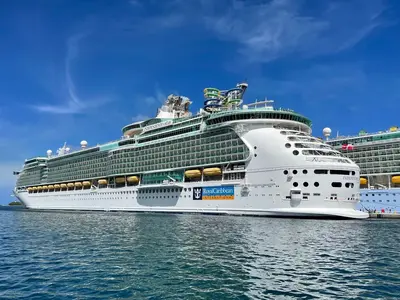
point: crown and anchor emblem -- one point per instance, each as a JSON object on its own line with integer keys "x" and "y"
{"x": 197, "y": 192}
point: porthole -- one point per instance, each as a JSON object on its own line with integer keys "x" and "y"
{"x": 286, "y": 172}
{"x": 316, "y": 184}
{"x": 305, "y": 184}
{"x": 294, "y": 172}
{"x": 295, "y": 184}
{"x": 287, "y": 145}
{"x": 295, "y": 152}
{"x": 305, "y": 171}
{"x": 255, "y": 147}
{"x": 255, "y": 155}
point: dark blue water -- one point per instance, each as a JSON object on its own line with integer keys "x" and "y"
{"x": 158, "y": 256}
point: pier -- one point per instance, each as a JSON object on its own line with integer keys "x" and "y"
{"x": 379, "y": 215}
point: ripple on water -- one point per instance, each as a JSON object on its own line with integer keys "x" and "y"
{"x": 151, "y": 256}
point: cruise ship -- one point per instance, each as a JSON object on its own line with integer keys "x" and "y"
{"x": 229, "y": 158}
{"x": 378, "y": 156}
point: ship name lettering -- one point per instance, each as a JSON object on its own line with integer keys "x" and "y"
{"x": 350, "y": 178}
{"x": 158, "y": 125}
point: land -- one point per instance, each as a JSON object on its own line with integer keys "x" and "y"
{"x": 14, "y": 203}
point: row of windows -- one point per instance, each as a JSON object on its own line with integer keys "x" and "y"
{"x": 379, "y": 164}
{"x": 373, "y": 200}
{"x": 245, "y": 115}
{"x": 29, "y": 177}
{"x": 223, "y": 146}
{"x": 373, "y": 195}
{"x": 379, "y": 170}
{"x": 386, "y": 161}
{"x": 204, "y": 149}
{"x": 323, "y": 171}
{"x": 75, "y": 155}
{"x": 384, "y": 137}
{"x": 308, "y": 145}
{"x": 183, "y": 153}
{"x": 188, "y": 142}
{"x": 333, "y": 184}
{"x": 169, "y": 134}
{"x": 304, "y": 139}
{"x": 382, "y": 147}
{"x": 318, "y": 152}
{"x": 80, "y": 168}
{"x": 366, "y": 154}
{"x": 297, "y": 133}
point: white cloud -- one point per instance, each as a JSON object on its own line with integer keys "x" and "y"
{"x": 158, "y": 98}
{"x": 267, "y": 30}
{"x": 270, "y": 30}
{"x": 140, "y": 117}
{"x": 135, "y": 3}
{"x": 72, "y": 103}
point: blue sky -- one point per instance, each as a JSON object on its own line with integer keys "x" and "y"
{"x": 73, "y": 70}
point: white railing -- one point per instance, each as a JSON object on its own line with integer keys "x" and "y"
{"x": 343, "y": 137}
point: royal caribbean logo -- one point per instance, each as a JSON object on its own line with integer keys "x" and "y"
{"x": 214, "y": 193}
{"x": 197, "y": 193}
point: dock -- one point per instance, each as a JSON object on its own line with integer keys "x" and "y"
{"x": 384, "y": 215}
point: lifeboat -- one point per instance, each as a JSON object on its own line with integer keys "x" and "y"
{"x": 44, "y": 188}
{"x": 133, "y": 179}
{"x": 56, "y": 186}
{"x": 39, "y": 188}
{"x": 212, "y": 172}
{"x": 192, "y": 173}
{"x": 70, "y": 185}
{"x": 363, "y": 181}
{"x": 396, "y": 179}
{"x": 63, "y": 185}
{"x": 50, "y": 187}
{"x": 34, "y": 188}
{"x": 29, "y": 189}
{"x": 78, "y": 184}
{"x": 86, "y": 183}
{"x": 102, "y": 181}
{"x": 120, "y": 180}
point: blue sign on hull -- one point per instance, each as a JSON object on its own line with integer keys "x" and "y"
{"x": 214, "y": 193}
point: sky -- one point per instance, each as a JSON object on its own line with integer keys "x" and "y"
{"x": 79, "y": 69}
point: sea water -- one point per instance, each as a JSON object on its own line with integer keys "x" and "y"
{"x": 55, "y": 255}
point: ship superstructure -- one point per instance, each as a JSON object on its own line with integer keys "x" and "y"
{"x": 229, "y": 158}
{"x": 378, "y": 156}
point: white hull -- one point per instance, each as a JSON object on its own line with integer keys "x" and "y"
{"x": 262, "y": 200}
{"x": 280, "y": 178}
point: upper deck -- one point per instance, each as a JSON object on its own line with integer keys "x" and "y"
{"x": 391, "y": 135}
{"x": 174, "y": 118}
